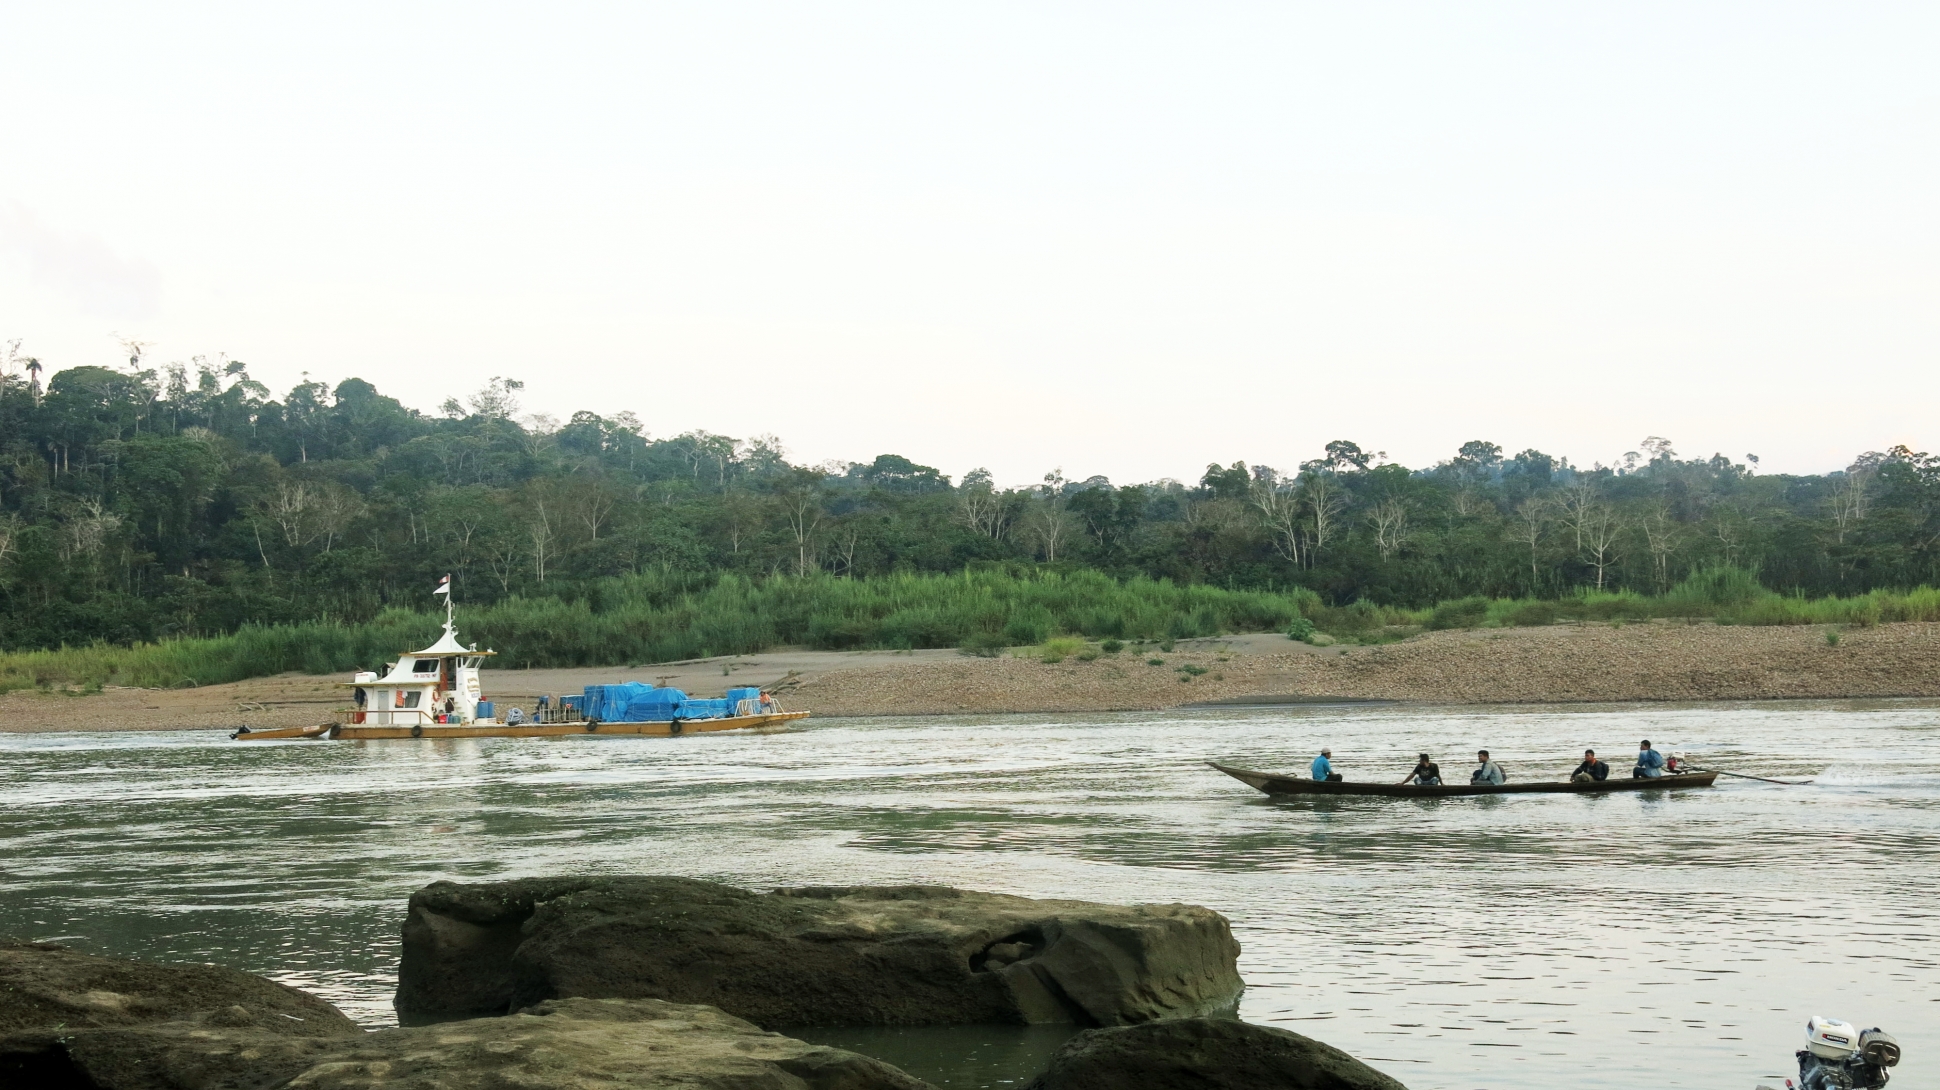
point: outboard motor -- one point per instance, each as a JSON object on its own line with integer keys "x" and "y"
{"x": 1838, "y": 1057}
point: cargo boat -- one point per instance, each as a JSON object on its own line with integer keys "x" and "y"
{"x": 436, "y": 693}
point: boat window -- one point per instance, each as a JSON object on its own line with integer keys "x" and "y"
{"x": 425, "y": 666}
{"x": 408, "y": 700}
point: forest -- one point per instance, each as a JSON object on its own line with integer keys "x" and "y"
{"x": 146, "y": 503}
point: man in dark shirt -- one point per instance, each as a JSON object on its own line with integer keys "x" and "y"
{"x": 1426, "y": 774}
{"x": 1591, "y": 770}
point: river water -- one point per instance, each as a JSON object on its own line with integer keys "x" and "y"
{"x": 1666, "y": 939}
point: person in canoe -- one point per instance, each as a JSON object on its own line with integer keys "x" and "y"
{"x": 1324, "y": 768}
{"x": 1650, "y": 763}
{"x": 1487, "y": 771}
{"x": 1591, "y": 770}
{"x": 1426, "y": 774}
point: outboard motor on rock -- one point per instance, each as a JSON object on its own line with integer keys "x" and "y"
{"x": 1838, "y": 1057}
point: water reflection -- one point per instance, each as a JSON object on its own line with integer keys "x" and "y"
{"x": 1517, "y": 941}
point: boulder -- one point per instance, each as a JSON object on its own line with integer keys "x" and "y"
{"x": 570, "y": 1044}
{"x": 44, "y": 985}
{"x": 74, "y": 1020}
{"x": 1205, "y": 1054}
{"x": 160, "y": 1056}
{"x": 604, "y": 1043}
{"x": 816, "y": 956}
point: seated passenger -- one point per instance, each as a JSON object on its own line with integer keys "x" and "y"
{"x": 1650, "y": 763}
{"x": 1323, "y": 768}
{"x": 1591, "y": 770}
{"x": 1426, "y": 774}
{"x": 1487, "y": 771}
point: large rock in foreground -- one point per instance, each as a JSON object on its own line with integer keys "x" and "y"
{"x": 43, "y": 985}
{"x": 1205, "y": 1054}
{"x": 159, "y": 1056}
{"x": 572, "y": 1044}
{"x": 73, "y": 1020}
{"x": 603, "y": 1043}
{"x": 820, "y": 956}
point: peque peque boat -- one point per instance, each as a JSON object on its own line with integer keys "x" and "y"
{"x": 1273, "y": 783}
{"x": 436, "y": 693}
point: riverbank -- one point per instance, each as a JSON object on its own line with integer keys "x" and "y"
{"x": 1554, "y": 664}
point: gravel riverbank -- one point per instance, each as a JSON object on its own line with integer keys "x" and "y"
{"x": 1555, "y": 664}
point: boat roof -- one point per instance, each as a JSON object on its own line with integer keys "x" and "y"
{"x": 448, "y": 645}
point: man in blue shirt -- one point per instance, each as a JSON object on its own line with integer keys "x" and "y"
{"x": 1324, "y": 768}
{"x": 1650, "y": 763}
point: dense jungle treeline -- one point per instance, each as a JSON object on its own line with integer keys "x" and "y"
{"x": 143, "y": 503}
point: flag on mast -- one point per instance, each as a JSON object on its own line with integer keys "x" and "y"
{"x": 444, "y": 587}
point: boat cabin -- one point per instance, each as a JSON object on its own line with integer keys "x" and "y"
{"x": 436, "y": 685}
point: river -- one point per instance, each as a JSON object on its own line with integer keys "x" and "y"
{"x": 1663, "y": 939}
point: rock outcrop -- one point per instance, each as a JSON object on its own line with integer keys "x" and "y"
{"x": 601, "y": 1043}
{"x": 43, "y": 985}
{"x": 571, "y": 1044}
{"x": 73, "y": 1020}
{"x": 819, "y": 956}
{"x": 1205, "y": 1054}
{"x": 159, "y": 1056}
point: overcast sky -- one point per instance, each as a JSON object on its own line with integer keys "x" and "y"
{"x": 1118, "y": 238}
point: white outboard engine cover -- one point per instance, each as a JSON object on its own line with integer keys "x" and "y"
{"x": 1831, "y": 1039}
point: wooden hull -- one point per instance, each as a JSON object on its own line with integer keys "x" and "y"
{"x": 1274, "y": 783}
{"x": 664, "y": 729}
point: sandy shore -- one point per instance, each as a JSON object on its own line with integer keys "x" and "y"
{"x": 1557, "y": 664}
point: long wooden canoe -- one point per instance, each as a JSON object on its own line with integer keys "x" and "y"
{"x": 665, "y": 728}
{"x": 1274, "y": 783}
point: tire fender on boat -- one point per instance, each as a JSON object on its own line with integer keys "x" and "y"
{"x": 417, "y": 730}
{"x": 592, "y": 726}
{"x": 673, "y": 727}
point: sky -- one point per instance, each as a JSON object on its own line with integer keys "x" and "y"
{"x": 1126, "y": 239}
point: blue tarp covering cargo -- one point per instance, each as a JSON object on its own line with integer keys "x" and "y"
{"x": 655, "y": 706}
{"x": 608, "y": 703}
{"x": 638, "y": 702}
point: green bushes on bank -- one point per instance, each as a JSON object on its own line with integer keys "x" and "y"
{"x": 664, "y": 617}
{"x": 1724, "y": 595}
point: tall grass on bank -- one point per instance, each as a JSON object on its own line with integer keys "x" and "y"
{"x": 1723, "y": 595}
{"x": 660, "y": 617}
{"x": 255, "y": 651}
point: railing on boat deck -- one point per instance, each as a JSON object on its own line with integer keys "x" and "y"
{"x": 389, "y": 717}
